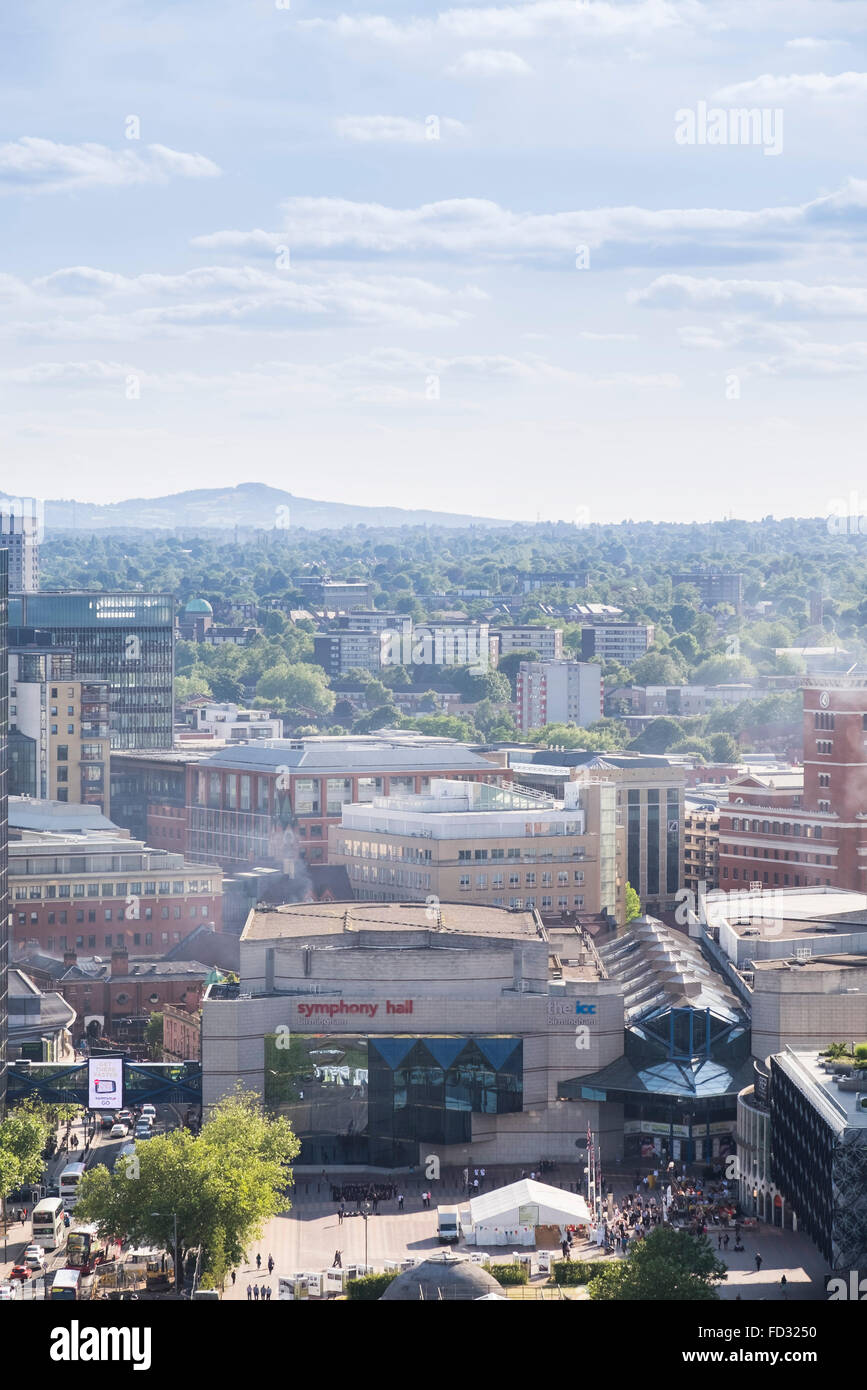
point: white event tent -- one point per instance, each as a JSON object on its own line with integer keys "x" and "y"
{"x": 510, "y": 1215}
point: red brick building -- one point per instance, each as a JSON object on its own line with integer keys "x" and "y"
{"x": 816, "y": 833}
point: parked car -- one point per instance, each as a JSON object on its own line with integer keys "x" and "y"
{"x": 118, "y": 1131}
{"x": 21, "y": 1272}
{"x": 34, "y": 1257}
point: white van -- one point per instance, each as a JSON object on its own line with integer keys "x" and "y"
{"x": 448, "y": 1224}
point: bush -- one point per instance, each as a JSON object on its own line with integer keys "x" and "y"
{"x": 861, "y": 1052}
{"x": 508, "y": 1274}
{"x": 369, "y": 1288}
{"x": 574, "y": 1271}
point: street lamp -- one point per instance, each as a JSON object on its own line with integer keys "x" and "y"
{"x": 175, "y": 1225}
{"x": 365, "y": 1213}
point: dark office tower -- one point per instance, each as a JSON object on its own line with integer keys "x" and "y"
{"x": 4, "y": 829}
{"x": 124, "y": 640}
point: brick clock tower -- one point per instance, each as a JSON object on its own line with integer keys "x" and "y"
{"x": 835, "y": 770}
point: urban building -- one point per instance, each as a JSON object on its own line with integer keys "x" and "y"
{"x": 333, "y": 594}
{"x": 479, "y": 1034}
{"x": 196, "y": 620}
{"x": 271, "y": 805}
{"x": 574, "y": 579}
{"x": 59, "y": 731}
{"x": 650, "y": 806}
{"x": 368, "y": 620}
{"x": 94, "y": 890}
{"x": 40, "y": 1024}
{"x": 124, "y": 640}
{"x": 558, "y": 692}
{"x": 149, "y": 794}
{"x": 476, "y": 843}
{"x": 623, "y": 642}
{"x": 806, "y": 829}
{"x": 411, "y": 1029}
{"x": 20, "y": 531}
{"x": 182, "y": 1031}
{"x": 818, "y": 1132}
{"x": 714, "y": 586}
{"x": 233, "y": 724}
{"x": 700, "y": 846}
{"x": 115, "y": 998}
{"x": 808, "y": 1000}
{"x": 4, "y": 825}
{"x": 547, "y": 642}
{"x": 778, "y": 924}
{"x": 346, "y": 650}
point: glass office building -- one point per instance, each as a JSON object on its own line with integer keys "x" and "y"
{"x": 123, "y": 639}
{"x": 4, "y": 827}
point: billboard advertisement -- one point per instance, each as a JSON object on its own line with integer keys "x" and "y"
{"x": 105, "y": 1083}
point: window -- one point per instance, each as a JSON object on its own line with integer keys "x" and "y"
{"x": 62, "y": 748}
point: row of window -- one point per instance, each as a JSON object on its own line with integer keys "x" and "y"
{"x": 776, "y": 827}
{"x": 140, "y": 889}
{"x": 109, "y": 915}
{"x": 749, "y": 878}
{"x": 547, "y": 880}
{"x": 749, "y": 853}
{"x": 61, "y": 943}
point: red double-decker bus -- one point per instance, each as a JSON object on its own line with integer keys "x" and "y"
{"x": 85, "y": 1249}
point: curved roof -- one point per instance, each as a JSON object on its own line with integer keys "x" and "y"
{"x": 198, "y": 605}
{"x": 443, "y": 1277}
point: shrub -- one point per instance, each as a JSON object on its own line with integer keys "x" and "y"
{"x": 574, "y": 1271}
{"x": 861, "y": 1052}
{"x": 508, "y": 1274}
{"x": 368, "y": 1288}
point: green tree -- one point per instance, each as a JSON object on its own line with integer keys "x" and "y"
{"x": 297, "y": 686}
{"x": 667, "y": 1266}
{"x": 658, "y": 736}
{"x": 657, "y": 668}
{"x": 23, "y": 1136}
{"x": 724, "y": 749}
{"x": 222, "y": 1185}
{"x": 154, "y": 1035}
{"x": 632, "y": 903}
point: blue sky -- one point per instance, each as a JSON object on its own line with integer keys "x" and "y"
{"x": 443, "y": 257}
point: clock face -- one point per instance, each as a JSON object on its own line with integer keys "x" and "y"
{"x": 824, "y": 699}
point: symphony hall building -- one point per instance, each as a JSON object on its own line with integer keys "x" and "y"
{"x": 387, "y": 1032}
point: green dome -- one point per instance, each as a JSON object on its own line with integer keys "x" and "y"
{"x": 199, "y": 605}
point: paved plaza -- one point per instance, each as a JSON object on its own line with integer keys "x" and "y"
{"x": 304, "y": 1240}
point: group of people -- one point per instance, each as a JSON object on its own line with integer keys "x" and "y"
{"x": 354, "y": 1193}
{"x": 255, "y": 1292}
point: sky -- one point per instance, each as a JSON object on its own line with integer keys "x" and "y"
{"x": 517, "y": 260}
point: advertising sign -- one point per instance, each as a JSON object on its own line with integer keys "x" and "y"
{"x": 105, "y": 1083}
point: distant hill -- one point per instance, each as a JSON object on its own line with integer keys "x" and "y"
{"x": 248, "y": 504}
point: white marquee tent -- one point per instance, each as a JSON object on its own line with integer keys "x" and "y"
{"x": 510, "y": 1215}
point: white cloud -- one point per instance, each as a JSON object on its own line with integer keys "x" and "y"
{"x": 32, "y": 164}
{"x": 544, "y": 19}
{"x": 396, "y": 129}
{"x": 813, "y": 44}
{"x": 477, "y": 226}
{"x": 771, "y": 88}
{"x": 489, "y": 62}
{"x": 785, "y": 298}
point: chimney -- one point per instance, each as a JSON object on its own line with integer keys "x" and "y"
{"x": 119, "y": 961}
{"x": 69, "y": 958}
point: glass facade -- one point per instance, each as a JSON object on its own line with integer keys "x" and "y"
{"x": 652, "y": 842}
{"x": 125, "y": 640}
{"x": 4, "y": 824}
{"x": 633, "y": 839}
{"x": 672, "y": 841}
{"x": 373, "y": 1100}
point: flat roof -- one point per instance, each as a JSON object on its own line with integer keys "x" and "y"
{"x": 293, "y": 921}
{"x": 265, "y": 755}
{"x": 843, "y": 960}
{"x": 840, "y": 1107}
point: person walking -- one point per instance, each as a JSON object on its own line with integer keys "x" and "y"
{"x": 726, "y": 1241}
{"x": 758, "y": 1262}
{"x": 249, "y": 1293}
{"x": 234, "y": 1276}
{"x": 256, "y": 1293}
{"x": 269, "y": 1293}
{"x": 258, "y": 1261}
{"x": 400, "y": 1201}
{"x": 338, "y": 1260}
{"x": 270, "y": 1264}
{"x": 340, "y": 1216}
{"x": 784, "y": 1285}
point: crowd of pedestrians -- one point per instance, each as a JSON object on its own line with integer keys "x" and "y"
{"x": 354, "y": 1193}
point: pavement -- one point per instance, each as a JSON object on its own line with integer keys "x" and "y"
{"x": 305, "y": 1238}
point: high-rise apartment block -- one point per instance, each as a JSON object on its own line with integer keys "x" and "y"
{"x": 714, "y": 586}
{"x": 20, "y": 531}
{"x": 547, "y": 642}
{"x": 125, "y": 640}
{"x": 558, "y": 692}
{"x": 623, "y": 642}
{"x": 58, "y": 731}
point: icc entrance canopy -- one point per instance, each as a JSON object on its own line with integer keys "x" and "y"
{"x": 510, "y": 1215}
